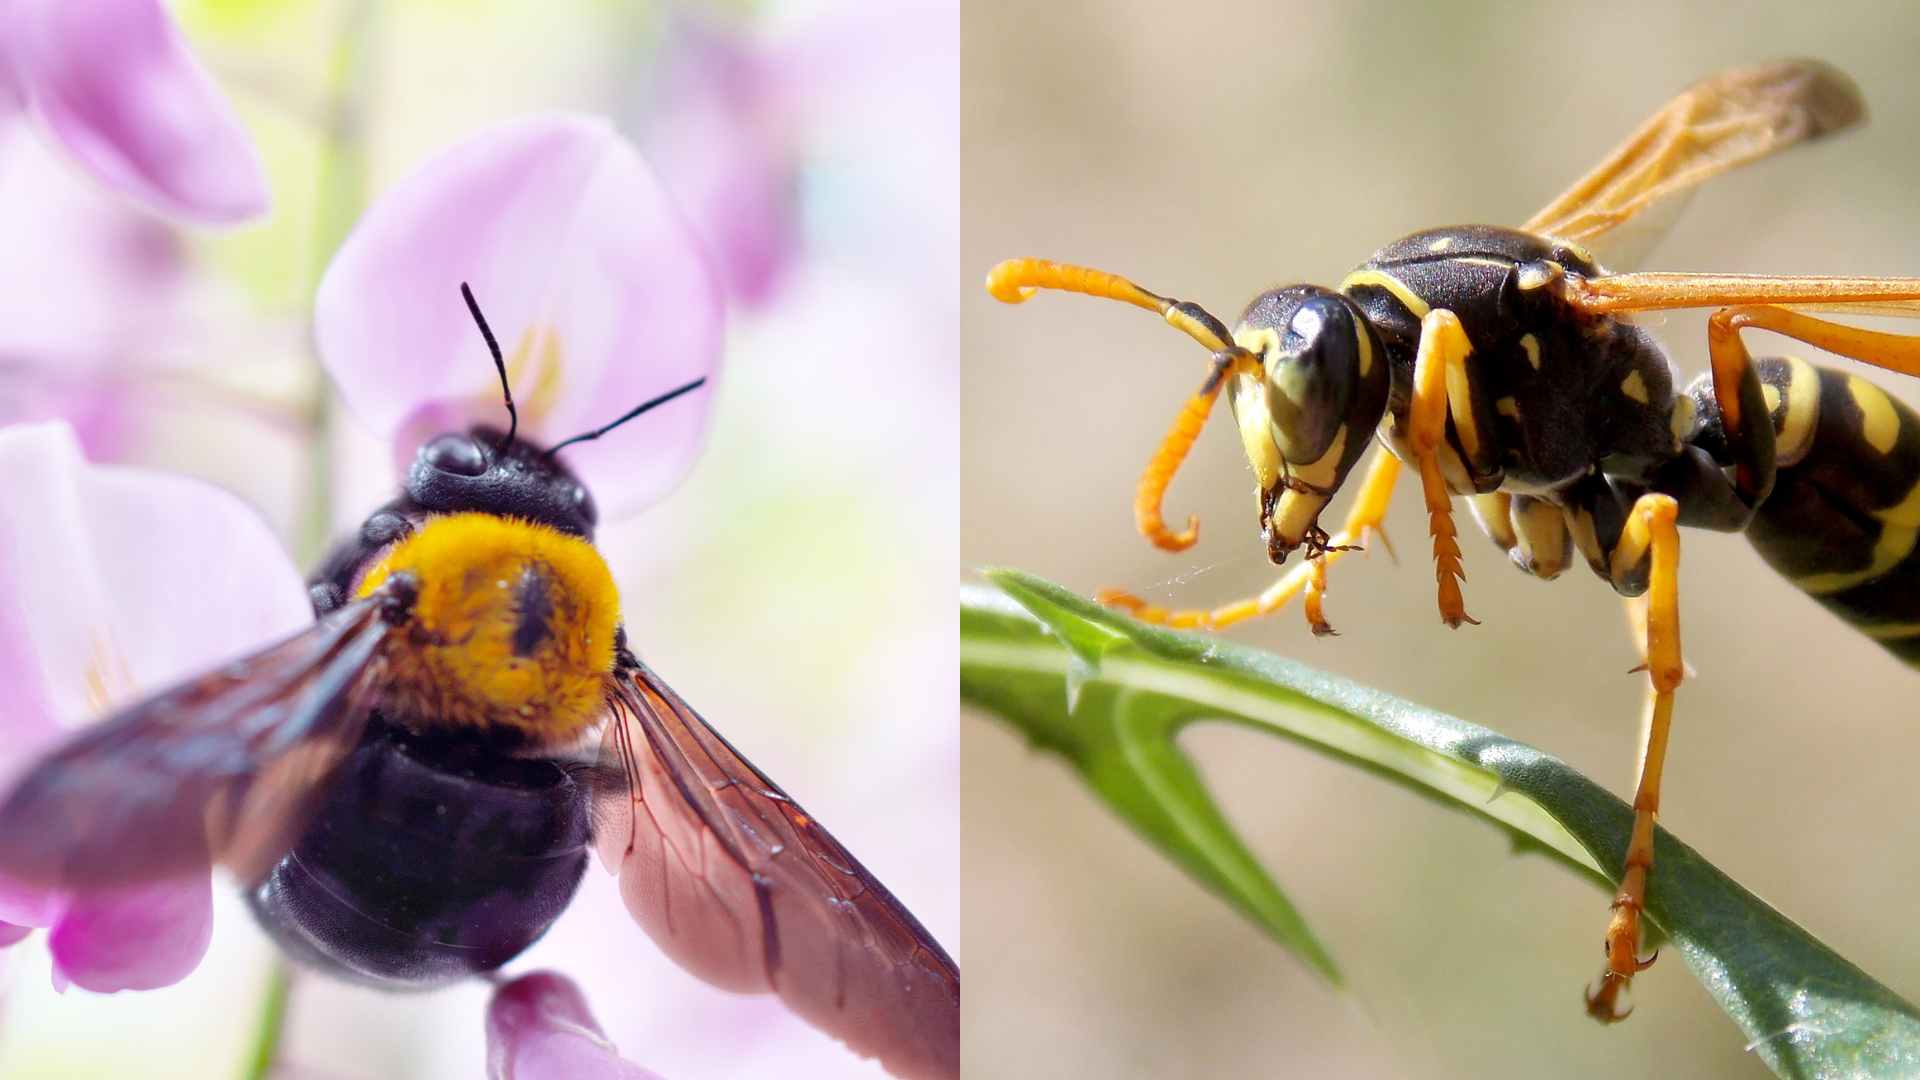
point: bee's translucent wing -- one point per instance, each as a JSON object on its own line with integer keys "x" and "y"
{"x": 1714, "y": 125}
{"x": 224, "y": 767}
{"x": 743, "y": 888}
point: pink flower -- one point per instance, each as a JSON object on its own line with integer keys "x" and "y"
{"x": 539, "y": 1028}
{"x": 726, "y": 149}
{"x": 113, "y": 83}
{"x": 599, "y": 293}
{"x": 115, "y": 581}
{"x": 93, "y": 297}
{"x": 745, "y": 122}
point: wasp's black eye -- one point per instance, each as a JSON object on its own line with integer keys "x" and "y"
{"x": 1311, "y": 371}
{"x": 457, "y": 454}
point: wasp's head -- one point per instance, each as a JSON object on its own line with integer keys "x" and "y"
{"x": 1305, "y": 416}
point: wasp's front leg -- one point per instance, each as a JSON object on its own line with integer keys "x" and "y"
{"x": 1439, "y": 374}
{"x": 1363, "y": 522}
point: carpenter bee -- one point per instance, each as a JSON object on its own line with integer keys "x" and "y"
{"x": 408, "y": 788}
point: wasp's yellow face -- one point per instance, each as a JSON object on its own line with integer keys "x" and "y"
{"x": 513, "y": 628}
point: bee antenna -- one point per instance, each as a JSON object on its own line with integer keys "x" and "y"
{"x": 631, "y": 413}
{"x": 513, "y": 414}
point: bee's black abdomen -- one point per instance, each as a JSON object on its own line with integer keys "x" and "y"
{"x": 431, "y": 860}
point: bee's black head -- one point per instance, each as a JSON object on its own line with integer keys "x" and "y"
{"x": 482, "y": 471}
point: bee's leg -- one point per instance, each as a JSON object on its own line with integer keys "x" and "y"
{"x": 1172, "y": 451}
{"x": 1649, "y": 543}
{"x": 1363, "y": 520}
{"x": 1440, "y": 365}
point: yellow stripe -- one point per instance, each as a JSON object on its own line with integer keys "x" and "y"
{"x": 1892, "y": 631}
{"x": 1803, "y": 409}
{"x": 1506, "y": 406}
{"x": 1879, "y": 424}
{"x": 1296, "y": 511}
{"x": 1532, "y": 345}
{"x": 1680, "y": 420}
{"x": 1460, "y": 406}
{"x": 1900, "y": 527}
{"x": 1380, "y": 279}
{"x": 1586, "y": 538}
{"x": 1634, "y": 387}
{"x": 1542, "y": 530}
{"x": 1491, "y": 511}
{"x": 1247, "y": 394}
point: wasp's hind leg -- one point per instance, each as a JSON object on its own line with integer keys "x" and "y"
{"x": 1363, "y": 522}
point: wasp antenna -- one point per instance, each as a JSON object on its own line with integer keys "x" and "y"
{"x": 644, "y": 406}
{"x": 1014, "y": 280}
{"x": 500, "y": 364}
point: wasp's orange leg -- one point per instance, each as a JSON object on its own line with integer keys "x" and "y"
{"x": 1440, "y": 361}
{"x": 1650, "y": 529}
{"x": 1731, "y": 363}
{"x": 1363, "y": 520}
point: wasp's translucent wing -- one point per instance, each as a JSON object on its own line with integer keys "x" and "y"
{"x": 743, "y": 888}
{"x": 225, "y": 767}
{"x": 1714, "y": 125}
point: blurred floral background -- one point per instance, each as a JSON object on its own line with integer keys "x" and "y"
{"x": 1243, "y": 145}
{"x": 813, "y": 146}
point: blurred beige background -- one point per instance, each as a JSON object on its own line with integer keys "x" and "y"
{"x": 1213, "y": 150}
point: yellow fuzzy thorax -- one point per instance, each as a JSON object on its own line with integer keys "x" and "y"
{"x": 513, "y": 627}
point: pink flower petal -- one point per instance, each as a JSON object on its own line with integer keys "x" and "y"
{"x": 139, "y": 939}
{"x": 595, "y": 286}
{"x": 121, "y": 581}
{"x": 13, "y": 935}
{"x": 726, "y": 154}
{"x": 539, "y": 1028}
{"x": 25, "y": 905}
{"x": 114, "y": 82}
{"x": 88, "y": 280}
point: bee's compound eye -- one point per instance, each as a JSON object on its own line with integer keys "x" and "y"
{"x": 583, "y": 503}
{"x": 457, "y": 454}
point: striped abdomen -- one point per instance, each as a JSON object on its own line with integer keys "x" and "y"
{"x": 1844, "y": 514}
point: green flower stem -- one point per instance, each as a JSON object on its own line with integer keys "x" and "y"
{"x": 341, "y": 196}
{"x": 273, "y": 1019}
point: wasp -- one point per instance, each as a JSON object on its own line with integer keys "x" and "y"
{"x": 409, "y": 788}
{"x": 1503, "y": 366}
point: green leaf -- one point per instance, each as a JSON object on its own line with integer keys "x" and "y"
{"x": 1111, "y": 695}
